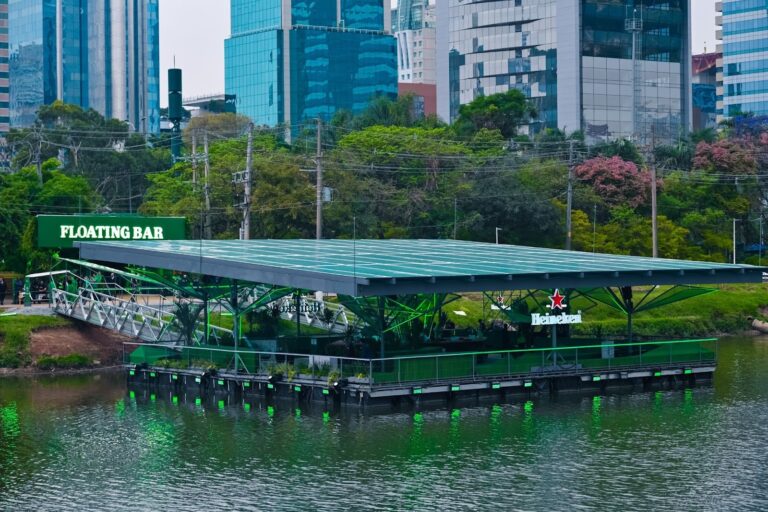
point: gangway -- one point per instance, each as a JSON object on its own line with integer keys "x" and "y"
{"x": 149, "y": 313}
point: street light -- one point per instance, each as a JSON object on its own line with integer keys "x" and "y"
{"x": 497, "y": 235}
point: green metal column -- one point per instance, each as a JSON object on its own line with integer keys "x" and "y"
{"x": 206, "y": 318}
{"x": 382, "y": 323}
{"x": 297, "y": 300}
{"x": 235, "y": 321}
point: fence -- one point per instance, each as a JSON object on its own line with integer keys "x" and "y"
{"x": 465, "y": 366}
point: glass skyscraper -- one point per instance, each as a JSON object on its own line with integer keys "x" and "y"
{"x": 745, "y": 57}
{"x": 611, "y": 68}
{"x": 100, "y": 54}
{"x": 292, "y": 60}
{"x": 5, "y": 99}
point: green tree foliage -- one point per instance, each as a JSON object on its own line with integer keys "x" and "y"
{"x": 22, "y": 198}
{"x": 504, "y": 111}
{"x": 622, "y": 148}
{"x": 282, "y": 198}
{"x": 113, "y": 160}
{"x": 396, "y": 181}
{"x": 217, "y": 126}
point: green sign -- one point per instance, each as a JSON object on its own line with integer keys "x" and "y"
{"x": 61, "y": 230}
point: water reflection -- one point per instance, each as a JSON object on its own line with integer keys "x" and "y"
{"x": 88, "y": 443}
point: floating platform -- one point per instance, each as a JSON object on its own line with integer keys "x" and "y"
{"x": 235, "y": 388}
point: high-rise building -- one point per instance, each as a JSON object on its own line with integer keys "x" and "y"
{"x": 5, "y": 113}
{"x": 611, "y": 68}
{"x": 744, "y": 46}
{"x": 415, "y": 33}
{"x": 293, "y": 60}
{"x": 100, "y": 54}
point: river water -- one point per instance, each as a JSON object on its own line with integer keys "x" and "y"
{"x": 82, "y": 443}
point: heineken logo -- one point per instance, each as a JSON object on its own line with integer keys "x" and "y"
{"x": 557, "y": 302}
{"x": 562, "y": 318}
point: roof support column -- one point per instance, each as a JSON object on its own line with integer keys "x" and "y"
{"x": 233, "y": 301}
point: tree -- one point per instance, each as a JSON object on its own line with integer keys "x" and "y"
{"x": 217, "y": 126}
{"x": 623, "y": 148}
{"x": 725, "y": 156}
{"x": 505, "y": 111}
{"x": 616, "y": 181}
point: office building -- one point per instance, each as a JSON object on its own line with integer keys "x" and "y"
{"x": 96, "y": 54}
{"x": 288, "y": 61}
{"x": 744, "y": 46}
{"x": 415, "y": 33}
{"x": 611, "y": 68}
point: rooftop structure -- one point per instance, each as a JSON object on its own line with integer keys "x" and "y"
{"x": 393, "y": 267}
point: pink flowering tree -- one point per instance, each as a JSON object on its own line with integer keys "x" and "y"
{"x": 615, "y": 181}
{"x": 726, "y": 156}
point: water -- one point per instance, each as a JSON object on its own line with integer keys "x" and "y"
{"x": 80, "y": 443}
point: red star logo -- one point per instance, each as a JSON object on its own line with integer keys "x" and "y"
{"x": 557, "y": 301}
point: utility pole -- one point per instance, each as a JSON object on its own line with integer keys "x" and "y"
{"x": 38, "y": 150}
{"x": 194, "y": 157}
{"x": 569, "y": 206}
{"x": 654, "y": 223}
{"x": 734, "y": 241}
{"x": 207, "y": 188}
{"x": 455, "y": 216}
{"x": 319, "y": 183}
{"x": 246, "y": 235}
{"x": 760, "y": 250}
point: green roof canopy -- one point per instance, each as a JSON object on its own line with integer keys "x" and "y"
{"x": 394, "y": 267}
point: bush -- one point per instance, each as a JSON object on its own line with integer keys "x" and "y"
{"x": 64, "y": 362}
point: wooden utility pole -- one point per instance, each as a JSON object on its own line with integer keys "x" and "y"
{"x": 319, "y": 182}
{"x": 207, "y": 188}
{"x": 247, "y": 192}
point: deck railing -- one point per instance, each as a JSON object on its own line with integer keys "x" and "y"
{"x": 459, "y": 367}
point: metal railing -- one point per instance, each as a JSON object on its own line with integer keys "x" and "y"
{"x": 459, "y": 367}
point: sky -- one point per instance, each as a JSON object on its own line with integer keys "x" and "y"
{"x": 193, "y": 31}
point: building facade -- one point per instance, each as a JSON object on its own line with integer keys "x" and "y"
{"x": 5, "y": 97}
{"x": 610, "y": 68}
{"x": 288, "y": 61}
{"x": 416, "y": 48}
{"x": 744, "y": 46}
{"x": 96, "y": 54}
{"x": 706, "y": 72}
{"x": 416, "y": 73}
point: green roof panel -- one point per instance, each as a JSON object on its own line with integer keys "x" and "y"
{"x": 387, "y": 267}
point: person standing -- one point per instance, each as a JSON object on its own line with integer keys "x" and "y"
{"x": 2, "y": 291}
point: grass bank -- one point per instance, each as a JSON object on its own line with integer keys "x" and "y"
{"x": 15, "y": 332}
{"x": 727, "y": 311}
